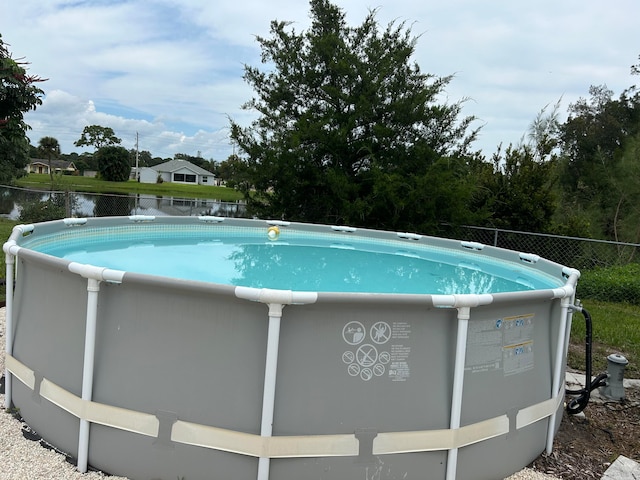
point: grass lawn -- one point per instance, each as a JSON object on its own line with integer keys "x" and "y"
{"x": 616, "y": 329}
{"x": 93, "y": 185}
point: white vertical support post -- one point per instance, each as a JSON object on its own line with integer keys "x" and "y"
{"x": 93, "y": 287}
{"x": 558, "y": 380}
{"x": 276, "y": 300}
{"x": 269, "y": 392}
{"x": 10, "y": 263}
{"x": 464, "y": 314}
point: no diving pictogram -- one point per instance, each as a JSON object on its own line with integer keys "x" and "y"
{"x": 366, "y": 355}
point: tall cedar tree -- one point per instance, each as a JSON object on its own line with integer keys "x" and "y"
{"x": 349, "y": 129}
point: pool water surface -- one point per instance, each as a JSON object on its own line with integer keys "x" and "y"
{"x": 328, "y": 263}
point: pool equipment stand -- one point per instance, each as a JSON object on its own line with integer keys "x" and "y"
{"x": 614, "y": 387}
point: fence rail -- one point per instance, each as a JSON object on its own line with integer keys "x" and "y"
{"x": 580, "y": 253}
{"x": 584, "y": 254}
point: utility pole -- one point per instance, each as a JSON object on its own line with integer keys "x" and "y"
{"x": 137, "y": 173}
{"x": 137, "y": 156}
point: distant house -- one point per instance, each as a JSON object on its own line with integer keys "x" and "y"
{"x": 39, "y": 165}
{"x": 147, "y": 175}
{"x": 177, "y": 171}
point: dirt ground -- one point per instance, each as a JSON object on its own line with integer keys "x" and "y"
{"x": 586, "y": 446}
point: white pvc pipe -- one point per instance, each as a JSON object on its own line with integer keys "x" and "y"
{"x": 276, "y": 300}
{"x": 93, "y": 287}
{"x": 10, "y": 262}
{"x": 464, "y": 314}
{"x": 269, "y": 392}
{"x": 96, "y": 273}
{"x": 558, "y": 381}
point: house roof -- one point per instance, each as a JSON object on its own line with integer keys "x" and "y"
{"x": 62, "y": 164}
{"x": 173, "y": 165}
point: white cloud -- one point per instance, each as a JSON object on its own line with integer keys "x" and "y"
{"x": 172, "y": 70}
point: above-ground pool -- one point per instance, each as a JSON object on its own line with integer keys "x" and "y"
{"x": 233, "y": 349}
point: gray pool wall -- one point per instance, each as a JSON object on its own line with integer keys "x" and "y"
{"x": 181, "y": 371}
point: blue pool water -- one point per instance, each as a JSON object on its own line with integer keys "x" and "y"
{"x": 308, "y": 262}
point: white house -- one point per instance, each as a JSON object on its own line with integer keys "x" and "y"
{"x": 147, "y": 175}
{"x": 177, "y": 171}
{"x": 38, "y": 165}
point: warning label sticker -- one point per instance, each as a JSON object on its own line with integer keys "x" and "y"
{"x": 377, "y": 350}
{"x": 502, "y": 343}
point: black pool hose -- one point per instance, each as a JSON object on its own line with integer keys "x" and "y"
{"x": 578, "y": 404}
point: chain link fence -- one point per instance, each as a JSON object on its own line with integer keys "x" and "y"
{"x": 586, "y": 255}
{"x": 610, "y": 270}
{"x": 580, "y": 253}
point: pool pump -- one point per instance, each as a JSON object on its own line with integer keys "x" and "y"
{"x": 614, "y": 384}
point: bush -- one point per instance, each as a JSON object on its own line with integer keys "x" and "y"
{"x": 612, "y": 284}
{"x": 43, "y": 210}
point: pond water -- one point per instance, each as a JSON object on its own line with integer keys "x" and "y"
{"x": 103, "y": 205}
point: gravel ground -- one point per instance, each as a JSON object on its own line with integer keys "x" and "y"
{"x": 23, "y": 459}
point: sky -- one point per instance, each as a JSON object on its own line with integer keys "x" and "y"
{"x": 169, "y": 72}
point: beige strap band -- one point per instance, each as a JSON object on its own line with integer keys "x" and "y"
{"x": 270, "y": 447}
{"x": 116, "y": 417}
{"x": 446, "y": 439}
{"x": 533, "y": 413}
{"x": 385, "y": 443}
{"x": 20, "y": 371}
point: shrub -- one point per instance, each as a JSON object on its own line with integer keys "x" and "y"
{"x": 611, "y": 284}
{"x": 43, "y": 210}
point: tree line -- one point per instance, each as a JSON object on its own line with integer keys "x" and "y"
{"x": 109, "y": 158}
{"x": 350, "y": 130}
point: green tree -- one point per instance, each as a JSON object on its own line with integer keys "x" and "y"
{"x": 594, "y": 139}
{"x": 233, "y": 171}
{"x": 98, "y": 137}
{"x": 114, "y": 163}
{"x": 144, "y": 157}
{"x": 348, "y": 123}
{"x": 518, "y": 191}
{"x": 635, "y": 69}
{"x": 18, "y": 95}
{"x": 49, "y": 148}
{"x": 84, "y": 161}
{"x": 625, "y": 192}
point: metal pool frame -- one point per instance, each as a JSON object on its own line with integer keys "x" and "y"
{"x": 147, "y": 376}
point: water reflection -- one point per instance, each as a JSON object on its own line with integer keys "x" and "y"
{"x": 284, "y": 266}
{"x": 103, "y": 205}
